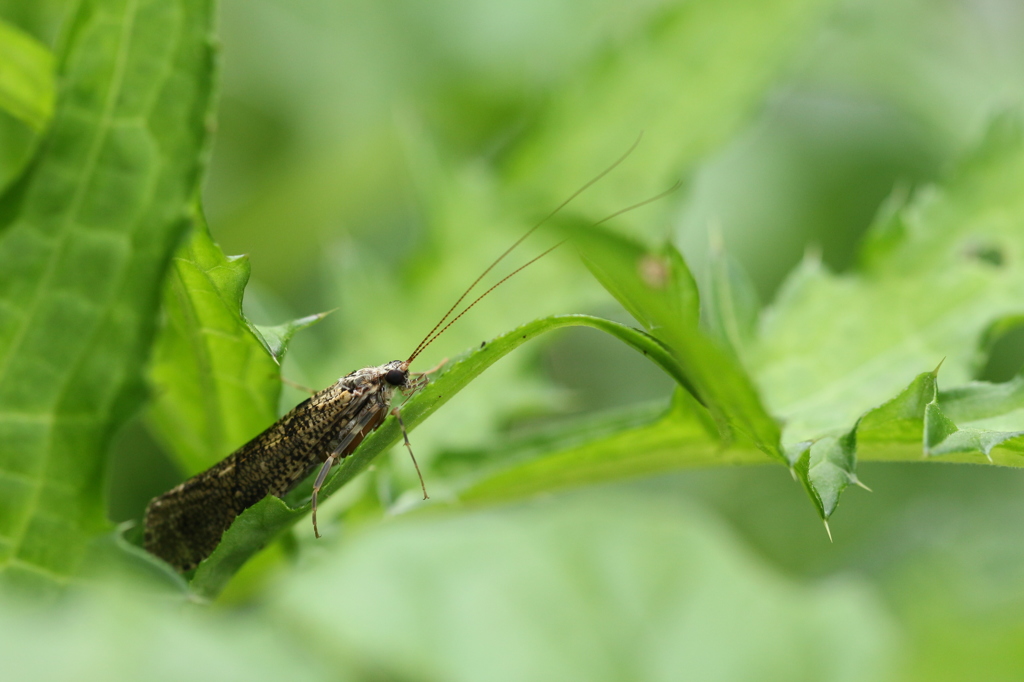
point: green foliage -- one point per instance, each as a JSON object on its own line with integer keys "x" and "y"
{"x": 594, "y": 559}
{"x": 826, "y": 352}
{"x": 26, "y": 77}
{"x": 215, "y": 385}
{"x": 215, "y": 374}
{"x": 977, "y": 417}
{"x": 111, "y": 284}
{"x": 275, "y": 338}
{"x": 924, "y": 294}
{"x": 344, "y": 619}
{"x": 833, "y": 346}
{"x": 658, "y": 290}
{"x": 84, "y": 243}
{"x": 680, "y": 438}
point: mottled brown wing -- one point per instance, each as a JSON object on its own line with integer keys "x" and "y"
{"x": 185, "y": 524}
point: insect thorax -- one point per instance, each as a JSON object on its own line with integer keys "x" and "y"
{"x": 383, "y": 378}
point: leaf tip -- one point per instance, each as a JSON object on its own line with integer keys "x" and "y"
{"x": 857, "y": 481}
{"x": 828, "y": 530}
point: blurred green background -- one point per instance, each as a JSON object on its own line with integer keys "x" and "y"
{"x": 373, "y": 157}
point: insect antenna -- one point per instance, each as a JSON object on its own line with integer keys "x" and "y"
{"x": 651, "y": 200}
{"x": 479, "y": 298}
{"x": 519, "y": 241}
{"x": 430, "y": 339}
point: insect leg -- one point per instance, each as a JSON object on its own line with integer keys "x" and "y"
{"x": 328, "y": 463}
{"x": 355, "y": 427}
{"x": 437, "y": 367}
{"x": 405, "y": 435}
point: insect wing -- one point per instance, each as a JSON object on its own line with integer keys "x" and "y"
{"x": 185, "y": 524}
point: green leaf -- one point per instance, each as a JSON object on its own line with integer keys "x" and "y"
{"x": 250, "y": 532}
{"x": 825, "y": 440}
{"x": 668, "y": 588}
{"x": 681, "y": 437}
{"x": 830, "y": 464}
{"x": 974, "y": 440}
{"x": 116, "y": 557}
{"x": 898, "y": 422}
{"x": 979, "y": 417}
{"x": 684, "y": 437}
{"x": 657, "y": 289}
{"x": 27, "y": 84}
{"x": 275, "y": 338}
{"x": 832, "y": 346}
{"x": 215, "y": 375}
{"x": 214, "y": 384}
{"x": 85, "y": 239}
{"x": 937, "y": 426}
{"x": 600, "y": 585}
{"x": 986, "y": 405}
{"x": 262, "y": 522}
{"x": 937, "y": 273}
{"x": 860, "y": 350}
{"x": 123, "y": 634}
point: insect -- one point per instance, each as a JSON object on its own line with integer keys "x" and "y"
{"x": 184, "y": 525}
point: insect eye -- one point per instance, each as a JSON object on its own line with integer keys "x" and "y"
{"x": 396, "y": 377}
